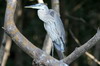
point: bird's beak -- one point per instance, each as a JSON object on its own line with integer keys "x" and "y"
{"x": 32, "y": 6}
{"x": 28, "y": 6}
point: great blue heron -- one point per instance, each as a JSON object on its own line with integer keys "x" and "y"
{"x": 52, "y": 24}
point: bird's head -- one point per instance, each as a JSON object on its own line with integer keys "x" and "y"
{"x": 39, "y": 6}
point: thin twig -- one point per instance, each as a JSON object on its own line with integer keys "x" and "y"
{"x": 2, "y": 48}
{"x": 7, "y": 50}
{"x": 79, "y": 19}
{"x": 92, "y": 57}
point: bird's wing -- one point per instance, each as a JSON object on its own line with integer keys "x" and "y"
{"x": 58, "y": 23}
{"x": 52, "y": 12}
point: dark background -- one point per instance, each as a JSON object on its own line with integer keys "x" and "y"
{"x": 81, "y": 16}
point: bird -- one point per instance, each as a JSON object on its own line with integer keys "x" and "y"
{"x": 53, "y": 26}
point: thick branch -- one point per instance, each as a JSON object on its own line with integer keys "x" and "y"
{"x": 38, "y": 55}
{"x": 55, "y": 5}
{"x": 47, "y": 45}
{"x": 79, "y": 51}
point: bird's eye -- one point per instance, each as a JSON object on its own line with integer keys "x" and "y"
{"x": 39, "y": 4}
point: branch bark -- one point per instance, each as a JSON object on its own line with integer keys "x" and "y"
{"x": 96, "y": 55}
{"x": 82, "y": 49}
{"x": 40, "y": 1}
{"x": 47, "y": 45}
{"x": 2, "y": 48}
{"x": 1, "y": 53}
{"x": 55, "y": 5}
{"x": 1, "y": 43}
{"x": 19, "y": 23}
{"x": 7, "y": 50}
{"x": 38, "y": 55}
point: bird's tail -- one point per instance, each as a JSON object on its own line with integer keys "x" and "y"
{"x": 60, "y": 54}
{"x": 59, "y": 45}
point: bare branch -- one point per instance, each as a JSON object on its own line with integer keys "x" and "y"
{"x": 40, "y": 1}
{"x": 38, "y": 55}
{"x": 92, "y": 57}
{"x": 1, "y": 53}
{"x": 79, "y": 19}
{"x": 87, "y": 53}
{"x": 2, "y": 50}
{"x": 1, "y": 46}
{"x": 79, "y": 51}
{"x": 47, "y": 45}
{"x": 7, "y": 50}
{"x": 55, "y": 5}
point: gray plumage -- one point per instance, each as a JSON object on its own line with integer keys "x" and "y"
{"x": 52, "y": 24}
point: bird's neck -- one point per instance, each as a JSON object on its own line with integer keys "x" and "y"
{"x": 42, "y": 14}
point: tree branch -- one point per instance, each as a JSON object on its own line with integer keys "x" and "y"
{"x": 40, "y": 1}
{"x": 1, "y": 47}
{"x": 38, "y": 55}
{"x": 82, "y": 49}
{"x": 7, "y": 50}
{"x": 87, "y": 53}
{"x": 47, "y": 45}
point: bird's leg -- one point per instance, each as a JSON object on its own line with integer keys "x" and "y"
{"x": 60, "y": 54}
{"x": 52, "y": 50}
